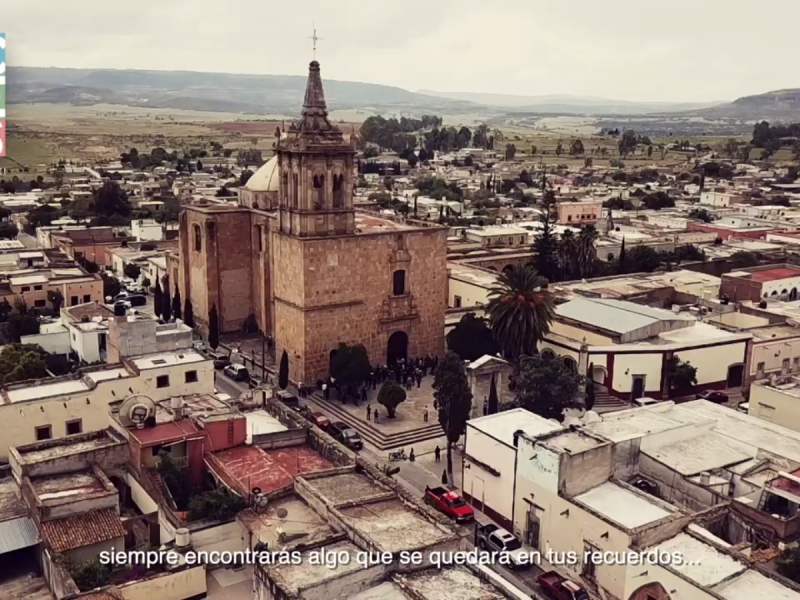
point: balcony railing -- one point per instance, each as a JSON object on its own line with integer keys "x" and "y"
{"x": 181, "y": 462}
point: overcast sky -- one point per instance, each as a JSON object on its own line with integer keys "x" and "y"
{"x": 680, "y": 50}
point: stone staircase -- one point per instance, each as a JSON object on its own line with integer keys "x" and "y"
{"x": 605, "y": 402}
{"x": 25, "y": 587}
{"x": 373, "y": 435}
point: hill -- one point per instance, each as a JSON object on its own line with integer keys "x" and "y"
{"x": 780, "y": 105}
{"x": 220, "y": 92}
{"x": 566, "y": 104}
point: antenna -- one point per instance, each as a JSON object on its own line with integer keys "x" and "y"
{"x": 315, "y": 39}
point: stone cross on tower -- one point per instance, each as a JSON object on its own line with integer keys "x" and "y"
{"x": 315, "y": 39}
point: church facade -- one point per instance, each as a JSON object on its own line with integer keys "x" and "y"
{"x": 296, "y": 256}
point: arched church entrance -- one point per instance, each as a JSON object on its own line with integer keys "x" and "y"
{"x": 397, "y": 347}
{"x": 650, "y": 591}
{"x": 735, "y": 376}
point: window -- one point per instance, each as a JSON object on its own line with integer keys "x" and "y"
{"x": 40, "y": 303}
{"x": 569, "y": 217}
{"x": 191, "y": 377}
{"x": 796, "y": 363}
{"x": 37, "y": 288}
{"x": 87, "y": 298}
{"x": 259, "y": 231}
{"x": 74, "y": 427}
{"x": 26, "y": 288}
{"x": 399, "y": 283}
{"x": 760, "y": 367}
{"x": 589, "y": 565}
{"x": 43, "y": 432}
{"x": 162, "y": 381}
{"x": 785, "y": 364}
{"x": 73, "y": 301}
{"x": 457, "y": 301}
{"x": 338, "y": 191}
{"x": 198, "y": 238}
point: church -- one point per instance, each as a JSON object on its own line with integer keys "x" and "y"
{"x": 314, "y": 272}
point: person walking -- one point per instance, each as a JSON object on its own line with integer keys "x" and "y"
{"x": 437, "y": 454}
{"x": 368, "y": 411}
{"x": 325, "y": 393}
{"x": 412, "y": 457}
{"x": 425, "y": 415}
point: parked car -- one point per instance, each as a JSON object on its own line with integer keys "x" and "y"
{"x": 558, "y": 587}
{"x": 289, "y": 399}
{"x": 237, "y": 372}
{"x": 136, "y": 300}
{"x": 220, "y": 360}
{"x": 199, "y": 345}
{"x": 320, "y": 420}
{"x": 449, "y": 503}
{"x": 496, "y": 539}
{"x": 713, "y": 396}
{"x": 342, "y": 432}
{"x": 119, "y": 297}
{"x": 744, "y": 407}
{"x": 122, "y": 303}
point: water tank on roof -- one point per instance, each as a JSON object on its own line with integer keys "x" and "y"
{"x": 182, "y": 538}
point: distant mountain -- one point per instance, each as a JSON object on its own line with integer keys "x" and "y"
{"x": 555, "y": 103}
{"x": 220, "y": 92}
{"x": 782, "y": 105}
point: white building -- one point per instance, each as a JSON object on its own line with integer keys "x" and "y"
{"x": 147, "y": 230}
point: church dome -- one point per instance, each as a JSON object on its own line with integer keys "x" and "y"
{"x": 266, "y": 178}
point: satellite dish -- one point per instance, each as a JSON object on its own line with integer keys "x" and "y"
{"x": 282, "y": 513}
{"x": 136, "y": 409}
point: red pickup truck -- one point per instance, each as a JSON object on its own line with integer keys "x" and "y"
{"x": 557, "y": 587}
{"x": 449, "y": 503}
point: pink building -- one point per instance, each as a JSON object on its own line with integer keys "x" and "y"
{"x": 572, "y": 213}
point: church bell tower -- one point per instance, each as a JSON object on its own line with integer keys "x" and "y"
{"x": 316, "y": 166}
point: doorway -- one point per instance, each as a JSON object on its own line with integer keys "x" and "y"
{"x": 477, "y": 493}
{"x": 735, "y": 376}
{"x": 638, "y": 387}
{"x": 397, "y": 347}
{"x": 532, "y": 528}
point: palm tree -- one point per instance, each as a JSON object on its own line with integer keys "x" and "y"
{"x": 520, "y": 310}
{"x": 568, "y": 255}
{"x": 587, "y": 251}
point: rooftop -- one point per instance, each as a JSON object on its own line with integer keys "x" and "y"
{"x": 371, "y": 223}
{"x": 501, "y": 426}
{"x": 45, "y": 390}
{"x": 176, "y": 357}
{"x": 343, "y": 488}
{"x": 300, "y": 523}
{"x": 247, "y": 467}
{"x": 752, "y": 585}
{"x": 616, "y": 315}
{"x": 775, "y": 274}
{"x": 294, "y": 578}
{"x": 57, "y": 489}
{"x": 703, "y": 564}
{"x": 11, "y": 504}
{"x": 82, "y": 530}
{"x": 387, "y": 590}
{"x": 80, "y": 444}
{"x": 447, "y": 584}
{"x": 706, "y": 452}
{"x": 622, "y": 506}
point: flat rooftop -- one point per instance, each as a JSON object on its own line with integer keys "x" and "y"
{"x": 501, "y": 426}
{"x": 387, "y": 590}
{"x": 176, "y": 357}
{"x": 343, "y": 488}
{"x": 706, "y": 452}
{"x": 573, "y": 442}
{"x": 616, "y": 316}
{"x": 57, "y": 489}
{"x": 622, "y": 506}
{"x": 11, "y": 503}
{"x": 752, "y": 585}
{"x": 295, "y": 578}
{"x": 47, "y": 390}
{"x": 260, "y": 422}
{"x": 703, "y": 564}
{"x": 774, "y": 274}
{"x": 248, "y": 467}
{"x": 448, "y": 584}
{"x": 394, "y": 526}
{"x": 42, "y": 451}
{"x": 368, "y": 223}
{"x": 300, "y": 522}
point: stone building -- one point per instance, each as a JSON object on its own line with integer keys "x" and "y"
{"x": 310, "y": 269}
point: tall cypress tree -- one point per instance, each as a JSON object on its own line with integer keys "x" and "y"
{"x": 494, "y": 404}
{"x": 158, "y": 299}
{"x": 188, "y": 313}
{"x": 283, "y": 371}
{"x": 545, "y": 241}
{"x": 213, "y": 327}
{"x": 622, "y": 259}
{"x": 176, "y": 303}
{"x": 166, "y": 301}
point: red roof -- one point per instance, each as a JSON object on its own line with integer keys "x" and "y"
{"x": 247, "y": 467}
{"x": 173, "y": 431}
{"x": 82, "y": 530}
{"x": 775, "y": 274}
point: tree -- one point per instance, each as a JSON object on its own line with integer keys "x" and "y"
{"x": 199, "y": 166}
{"x": 224, "y": 192}
{"x": 90, "y": 574}
{"x": 5, "y": 310}
{"x": 390, "y": 396}
{"x": 132, "y": 271}
{"x": 494, "y": 404}
{"x": 559, "y": 148}
{"x": 623, "y": 259}
{"x": 682, "y": 376}
{"x": 731, "y": 147}
{"x": 471, "y": 339}
{"x": 627, "y": 143}
{"x": 283, "y": 371}
{"x": 166, "y": 300}
{"x": 511, "y": 151}
{"x": 576, "y": 147}
{"x": 520, "y": 310}
{"x": 412, "y": 160}
{"x": 188, "y": 313}
{"x": 453, "y": 401}
{"x": 213, "y": 327}
{"x": 587, "y": 251}
{"x": 371, "y": 151}
{"x": 533, "y": 150}
{"x": 111, "y": 285}
{"x": 788, "y": 564}
{"x": 158, "y": 299}
{"x": 643, "y": 259}
{"x": 21, "y": 362}
{"x": 701, "y": 214}
{"x": 8, "y": 231}
{"x": 176, "y": 303}
{"x": 589, "y": 400}
{"x": 568, "y": 255}
{"x": 56, "y": 299}
{"x": 743, "y": 259}
{"x": 547, "y": 387}
{"x": 545, "y": 240}
{"x": 110, "y": 200}
{"x": 350, "y": 366}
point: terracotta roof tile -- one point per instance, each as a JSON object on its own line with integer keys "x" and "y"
{"x": 82, "y": 530}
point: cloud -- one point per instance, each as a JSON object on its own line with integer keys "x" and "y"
{"x": 685, "y": 50}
